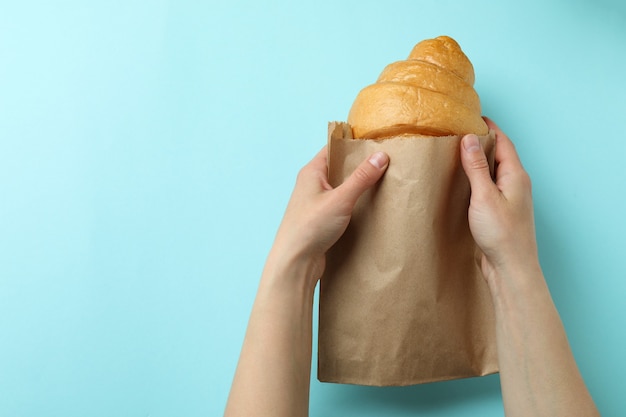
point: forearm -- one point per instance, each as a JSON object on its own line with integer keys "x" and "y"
{"x": 272, "y": 377}
{"x": 538, "y": 372}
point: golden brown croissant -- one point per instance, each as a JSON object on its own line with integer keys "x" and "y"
{"x": 431, "y": 94}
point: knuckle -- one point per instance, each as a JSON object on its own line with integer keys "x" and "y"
{"x": 302, "y": 174}
{"x": 525, "y": 180}
{"x": 361, "y": 176}
{"x": 479, "y": 164}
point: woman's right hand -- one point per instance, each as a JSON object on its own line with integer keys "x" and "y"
{"x": 501, "y": 212}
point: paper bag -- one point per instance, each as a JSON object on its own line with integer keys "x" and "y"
{"x": 403, "y": 300}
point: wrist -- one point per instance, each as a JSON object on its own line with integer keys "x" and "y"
{"x": 512, "y": 285}
{"x": 287, "y": 270}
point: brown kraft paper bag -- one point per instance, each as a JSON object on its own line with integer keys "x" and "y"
{"x": 403, "y": 300}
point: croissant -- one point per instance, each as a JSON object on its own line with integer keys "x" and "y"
{"x": 431, "y": 94}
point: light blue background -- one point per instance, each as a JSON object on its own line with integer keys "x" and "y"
{"x": 148, "y": 149}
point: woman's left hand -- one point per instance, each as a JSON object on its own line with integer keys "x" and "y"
{"x": 318, "y": 214}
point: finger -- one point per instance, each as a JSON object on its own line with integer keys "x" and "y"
{"x": 319, "y": 161}
{"x": 363, "y": 177}
{"x": 475, "y": 165}
{"x": 315, "y": 173}
{"x": 507, "y": 158}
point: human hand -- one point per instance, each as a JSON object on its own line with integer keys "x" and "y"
{"x": 501, "y": 213}
{"x": 317, "y": 215}
{"x": 274, "y": 368}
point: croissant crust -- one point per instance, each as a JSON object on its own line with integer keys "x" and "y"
{"x": 431, "y": 93}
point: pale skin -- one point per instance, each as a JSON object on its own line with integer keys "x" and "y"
{"x": 538, "y": 373}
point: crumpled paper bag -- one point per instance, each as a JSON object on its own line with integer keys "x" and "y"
{"x": 403, "y": 300}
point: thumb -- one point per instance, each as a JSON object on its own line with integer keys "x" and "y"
{"x": 363, "y": 177}
{"x": 475, "y": 165}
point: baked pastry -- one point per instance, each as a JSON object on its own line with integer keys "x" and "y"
{"x": 431, "y": 94}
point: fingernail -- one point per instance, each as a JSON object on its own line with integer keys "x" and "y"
{"x": 471, "y": 143}
{"x": 379, "y": 159}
